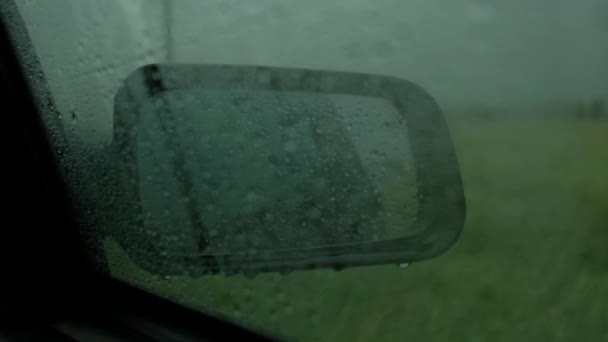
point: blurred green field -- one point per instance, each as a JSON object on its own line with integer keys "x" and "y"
{"x": 531, "y": 265}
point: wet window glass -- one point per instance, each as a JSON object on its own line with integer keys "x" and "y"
{"x": 522, "y": 89}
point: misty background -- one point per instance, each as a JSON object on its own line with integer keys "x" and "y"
{"x": 514, "y": 57}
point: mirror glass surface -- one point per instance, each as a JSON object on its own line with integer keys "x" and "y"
{"x": 249, "y": 171}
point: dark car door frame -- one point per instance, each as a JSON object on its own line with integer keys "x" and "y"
{"x": 49, "y": 289}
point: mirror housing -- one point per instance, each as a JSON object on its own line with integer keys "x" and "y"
{"x": 441, "y": 204}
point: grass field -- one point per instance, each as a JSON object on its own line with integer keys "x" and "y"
{"x": 531, "y": 265}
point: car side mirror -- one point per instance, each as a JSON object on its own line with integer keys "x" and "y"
{"x": 247, "y": 169}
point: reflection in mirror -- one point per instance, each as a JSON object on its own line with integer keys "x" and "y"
{"x": 273, "y": 170}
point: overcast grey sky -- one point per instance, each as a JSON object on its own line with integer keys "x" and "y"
{"x": 494, "y": 52}
{"x": 499, "y": 53}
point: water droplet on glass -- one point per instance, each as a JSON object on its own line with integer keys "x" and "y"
{"x": 291, "y": 146}
{"x": 251, "y": 196}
